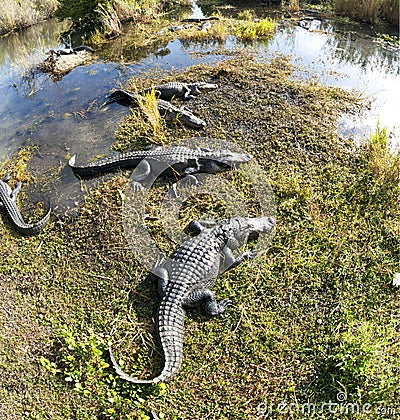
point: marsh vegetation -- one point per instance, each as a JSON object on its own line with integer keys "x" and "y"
{"x": 316, "y": 316}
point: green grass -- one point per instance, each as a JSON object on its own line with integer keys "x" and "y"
{"x": 317, "y": 315}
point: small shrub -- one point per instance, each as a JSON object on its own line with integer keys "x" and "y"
{"x": 246, "y": 15}
{"x": 252, "y": 30}
{"x": 383, "y": 162}
{"x": 83, "y": 363}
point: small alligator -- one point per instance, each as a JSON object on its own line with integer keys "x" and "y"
{"x": 185, "y": 280}
{"x": 166, "y": 109}
{"x": 185, "y": 91}
{"x": 198, "y": 20}
{"x": 152, "y": 162}
{"x": 182, "y": 114}
{"x": 7, "y": 201}
{"x": 70, "y": 50}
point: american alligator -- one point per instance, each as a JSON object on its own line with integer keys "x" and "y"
{"x": 185, "y": 91}
{"x": 7, "y": 201}
{"x": 166, "y": 109}
{"x": 152, "y": 162}
{"x": 198, "y": 20}
{"x": 185, "y": 280}
{"x": 182, "y": 114}
{"x": 70, "y": 50}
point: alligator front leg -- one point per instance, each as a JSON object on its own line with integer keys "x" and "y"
{"x": 211, "y": 306}
{"x": 187, "y": 95}
{"x": 229, "y": 261}
{"x": 141, "y": 172}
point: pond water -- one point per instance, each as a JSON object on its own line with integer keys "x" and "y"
{"x": 63, "y": 117}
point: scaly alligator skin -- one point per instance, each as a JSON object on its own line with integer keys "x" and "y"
{"x": 184, "y": 91}
{"x": 152, "y": 162}
{"x": 185, "y": 280}
{"x": 166, "y": 109}
{"x": 70, "y": 50}
{"x": 7, "y": 201}
{"x": 181, "y": 114}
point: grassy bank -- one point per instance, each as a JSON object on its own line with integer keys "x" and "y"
{"x": 17, "y": 14}
{"x": 317, "y": 316}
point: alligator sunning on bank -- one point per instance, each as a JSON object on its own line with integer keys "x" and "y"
{"x": 166, "y": 109}
{"x": 70, "y": 50}
{"x": 185, "y": 280}
{"x": 151, "y": 163}
{"x": 198, "y": 20}
{"x": 7, "y": 202}
{"x": 185, "y": 91}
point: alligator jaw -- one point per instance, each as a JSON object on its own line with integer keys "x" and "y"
{"x": 260, "y": 224}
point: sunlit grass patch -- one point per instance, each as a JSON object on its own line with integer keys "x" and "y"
{"x": 383, "y": 161}
{"x": 249, "y": 30}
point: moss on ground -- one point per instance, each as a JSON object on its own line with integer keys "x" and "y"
{"x": 318, "y": 314}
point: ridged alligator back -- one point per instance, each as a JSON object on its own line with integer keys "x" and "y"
{"x": 194, "y": 265}
{"x": 166, "y": 155}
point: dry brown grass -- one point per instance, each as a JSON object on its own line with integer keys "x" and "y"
{"x": 17, "y": 14}
{"x": 369, "y": 10}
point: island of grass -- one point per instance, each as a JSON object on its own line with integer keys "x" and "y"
{"x": 315, "y": 320}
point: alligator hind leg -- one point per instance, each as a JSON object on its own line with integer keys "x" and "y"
{"x": 7, "y": 177}
{"x": 162, "y": 276}
{"x": 16, "y": 191}
{"x": 211, "y": 305}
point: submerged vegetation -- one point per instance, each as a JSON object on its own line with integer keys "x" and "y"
{"x": 315, "y": 317}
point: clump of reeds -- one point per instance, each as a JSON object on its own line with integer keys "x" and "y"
{"x": 369, "y": 10}
{"x": 17, "y": 14}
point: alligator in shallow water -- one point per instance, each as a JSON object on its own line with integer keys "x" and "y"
{"x": 185, "y": 91}
{"x": 185, "y": 280}
{"x": 151, "y": 163}
{"x": 7, "y": 201}
{"x": 166, "y": 109}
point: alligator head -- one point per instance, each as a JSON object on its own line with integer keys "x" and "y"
{"x": 186, "y": 118}
{"x": 242, "y": 228}
{"x": 221, "y": 160}
{"x": 197, "y": 88}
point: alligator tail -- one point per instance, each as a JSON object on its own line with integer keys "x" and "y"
{"x": 18, "y": 221}
{"x": 107, "y": 164}
{"x": 170, "y": 326}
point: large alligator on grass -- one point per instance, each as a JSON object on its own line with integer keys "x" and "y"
{"x": 184, "y": 91}
{"x": 151, "y": 163}
{"x": 7, "y": 201}
{"x": 166, "y": 109}
{"x": 185, "y": 280}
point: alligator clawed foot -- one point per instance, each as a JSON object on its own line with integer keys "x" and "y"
{"x": 7, "y": 177}
{"x": 249, "y": 255}
{"x": 223, "y": 305}
{"x": 137, "y": 186}
{"x": 16, "y": 191}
